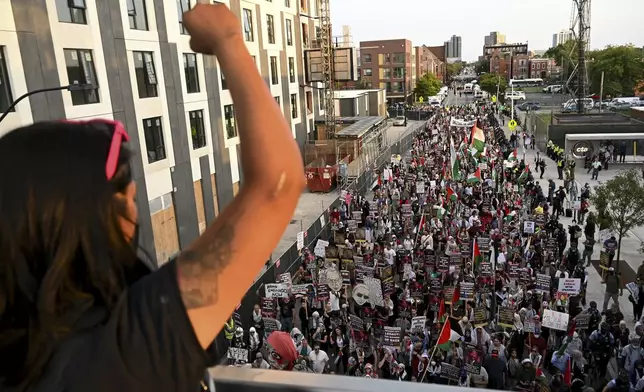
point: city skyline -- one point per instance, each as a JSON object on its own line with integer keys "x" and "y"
{"x": 511, "y": 19}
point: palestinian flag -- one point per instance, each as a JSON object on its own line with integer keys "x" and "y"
{"x": 514, "y": 156}
{"x": 476, "y": 255}
{"x": 524, "y": 175}
{"x": 451, "y": 195}
{"x": 441, "y": 311}
{"x": 444, "y": 339}
{"x": 440, "y": 211}
{"x": 475, "y": 177}
{"x": 454, "y": 162}
{"x": 478, "y": 139}
{"x": 457, "y": 295}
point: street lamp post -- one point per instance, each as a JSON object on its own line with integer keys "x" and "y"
{"x": 71, "y": 87}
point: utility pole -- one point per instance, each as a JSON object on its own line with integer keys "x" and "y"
{"x": 405, "y": 85}
{"x": 601, "y": 93}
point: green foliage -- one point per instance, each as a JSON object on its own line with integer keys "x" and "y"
{"x": 427, "y": 86}
{"x": 620, "y": 203}
{"x": 363, "y": 83}
{"x": 482, "y": 67}
{"x": 489, "y": 82}
{"x": 453, "y": 69}
{"x": 623, "y": 68}
{"x": 563, "y": 53}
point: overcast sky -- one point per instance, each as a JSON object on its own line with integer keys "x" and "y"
{"x": 432, "y": 22}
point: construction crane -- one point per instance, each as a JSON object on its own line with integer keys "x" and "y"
{"x": 580, "y": 28}
{"x": 326, "y": 49}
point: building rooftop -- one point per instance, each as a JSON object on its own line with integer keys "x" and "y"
{"x": 362, "y": 125}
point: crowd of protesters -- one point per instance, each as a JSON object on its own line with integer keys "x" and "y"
{"x": 454, "y": 269}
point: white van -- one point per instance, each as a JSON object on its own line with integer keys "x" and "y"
{"x": 520, "y": 95}
{"x": 468, "y": 88}
{"x": 553, "y": 88}
{"x": 480, "y": 94}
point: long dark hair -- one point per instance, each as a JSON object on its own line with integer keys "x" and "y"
{"x": 62, "y": 249}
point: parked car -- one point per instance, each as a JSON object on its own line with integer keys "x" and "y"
{"x": 399, "y": 121}
{"x": 529, "y": 106}
{"x": 553, "y": 88}
{"x": 518, "y": 95}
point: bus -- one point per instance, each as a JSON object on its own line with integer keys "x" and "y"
{"x": 518, "y": 83}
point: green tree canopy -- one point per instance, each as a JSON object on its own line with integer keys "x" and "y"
{"x": 482, "y": 67}
{"x": 489, "y": 81}
{"x": 562, "y": 53}
{"x": 453, "y": 69}
{"x": 427, "y": 86}
{"x": 623, "y": 68}
{"x": 620, "y": 204}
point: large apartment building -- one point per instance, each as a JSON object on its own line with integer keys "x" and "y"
{"x": 390, "y": 65}
{"x": 174, "y": 103}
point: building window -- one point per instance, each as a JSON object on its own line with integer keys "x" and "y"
{"x": 137, "y": 14}
{"x": 305, "y": 34}
{"x": 81, "y": 70}
{"x": 291, "y": 69}
{"x": 146, "y": 77}
{"x": 398, "y": 87}
{"x": 6, "y": 97}
{"x": 270, "y": 28}
{"x": 224, "y": 83}
{"x": 274, "y": 75}
{"x": 197, "y": 129}
{"x": 367, "y": 72}
{"x": 367, "y": 58}
{"x": 293, "y": 105}
{"x": 277, "y": 99}
{"x": 303, "y": 7}
{"x": 399, "y": 73}
{"x": 309, "y": 102}
{"x": 183, "y": 6}
{"x": 289, "y": 32}
{"x": 287, "y": 3}
{"x": 154, "y": 144}
{"x": 192, "y": 72}
{"x": 387, "y": 57}
{"x": 386, "y": 73}
{"x": 229, "y": 118}
{"x": 399, "y": 58}
{"x": 248, "y": 25}
{"x": 321, "y": 99}
{"x": 71, "y": 11}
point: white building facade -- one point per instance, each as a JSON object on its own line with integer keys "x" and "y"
{"x": 174, "y": 103}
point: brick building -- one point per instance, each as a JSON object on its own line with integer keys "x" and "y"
{"x": 389, "y": 64}
{"x": 428, "y": 62}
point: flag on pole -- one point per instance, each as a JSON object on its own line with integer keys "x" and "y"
{"x": 444, "y": 339}
{"x": 441, "y": 311}
{"x": 457, "y": 295}
{"x": 476, "y": 255}
{"x": 475, "y": 177}
{"x": 567, "y": 376}
{"x": 478, "y": 139}
{"x": 514, "y": 156}
{"x": 455, "y": 164}
{"x": 440, "y": 211}
{"x": 451, "y": 195}
{"x": 524, "y": 174}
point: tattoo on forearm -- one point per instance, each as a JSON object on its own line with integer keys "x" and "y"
{"x": 200, "y": 268}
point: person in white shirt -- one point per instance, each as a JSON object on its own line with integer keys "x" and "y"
{"x": 427, "y": 241}
{"x": 389, "y": 254}
{"x": 319, "y": 359}
{"x": 408, "y": 244}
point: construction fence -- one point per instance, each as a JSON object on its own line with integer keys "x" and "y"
{"x": 291, "y": 260}
{"x": 538, "y": 125}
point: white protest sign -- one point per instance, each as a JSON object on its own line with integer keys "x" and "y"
{"x": 528, "y": 227}
{"x": 276, "y": 290}
{"x": 300, "y": 240}
{"x": 238, "y": 354}
{"x": 300, "y": 289}
{"x": 420, "y": 186}
{"x": 418, "y": 323}
{"x": 569, "y": 285}
{"x": 432, "y": 184}
{"x": 320, "y": 248}
{"x": 555, "y": 320}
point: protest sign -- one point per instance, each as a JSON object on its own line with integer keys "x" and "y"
{"x": 323, "y": 292}
{"x": 418, "y": 323}
{"x": 392, "y": 336}
{"x": 555, "y": 320}
{"x": 300, "y": 289}
{"x": 238, "y": 354}
{"x": 569, "y": 285}
{"x": 506, "y": 317}
{"x": 480, "y": 316}
{"x": 467, "y": 291}
{"x": 582, "y": 321}
{"x": 472, "y": 358}
{"x": 270, "y": 325}
{"x": 268, "y": 306}
{"x": 543, "y": 283}
{"x": 276, "y": 290}
{"x": 528, "y": 227}
{"x": 450, "y": 372}
{"x": 356, "y": 322}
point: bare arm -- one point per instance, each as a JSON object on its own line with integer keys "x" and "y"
{"x": 216, "y": 270}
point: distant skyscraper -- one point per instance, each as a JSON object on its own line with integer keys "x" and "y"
{"x": 561, "y": 37}
{"x": 453, "y": 47}
{"x": 494, "y": 38}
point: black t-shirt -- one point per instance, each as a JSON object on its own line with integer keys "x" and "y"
{"x": 146, "y": 344}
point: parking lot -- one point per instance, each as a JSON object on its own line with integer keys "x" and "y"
{"x": 546, "y": 100}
